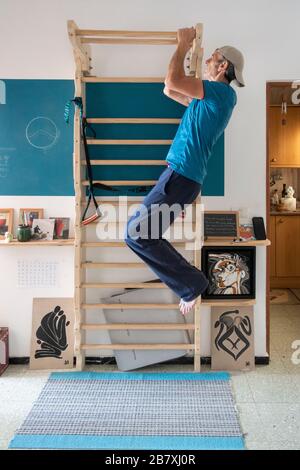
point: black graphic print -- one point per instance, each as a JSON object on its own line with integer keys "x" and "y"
{"x": 51, "y": 334}
{"x": 233, "y": 332}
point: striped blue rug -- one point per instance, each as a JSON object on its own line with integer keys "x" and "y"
{"x": 91, "y": 410}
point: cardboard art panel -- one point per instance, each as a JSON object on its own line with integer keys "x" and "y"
{"x": 52, "y": 339}
{"x": 232, "y": 338}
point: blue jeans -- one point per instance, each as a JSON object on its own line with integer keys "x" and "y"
{"x": 171, "y": 267}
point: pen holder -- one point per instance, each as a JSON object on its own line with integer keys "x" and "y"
{"x": 23, "y": 233}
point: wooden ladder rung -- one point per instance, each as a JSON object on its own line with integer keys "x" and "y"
{"x": 178, "y": 221}
{"x": 116, "y": 202}
{"x": 126, "y": 162}
{"x": 126, "y": 33}
{"x": 123, "y": 182}
{"x": 125, "y": 285}
{"x": 93, "y": 79}
{"x": 228, "y": 303}
{"x": 92, "y": 265}
{"x": 138, "y": 326}
{"x": 142, "y": 41}
{"x": 129, "y": 142}
{"x": 131, "y": 306}
{"x": 139, "y": 346}
{"x": 122, "y": 244}
{"x": 133, "y": 120}
{"x": 166, "y": 306}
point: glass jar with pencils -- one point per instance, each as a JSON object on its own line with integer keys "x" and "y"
{"x": 23, "y": 233}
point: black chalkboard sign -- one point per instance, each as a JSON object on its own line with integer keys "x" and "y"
{"x": 221, "y": 224}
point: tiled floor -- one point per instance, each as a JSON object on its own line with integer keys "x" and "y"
{"x": 268, "y": 399}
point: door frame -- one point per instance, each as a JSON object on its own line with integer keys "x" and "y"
{"x": 269, "y": 85}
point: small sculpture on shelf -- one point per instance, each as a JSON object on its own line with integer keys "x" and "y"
{"x": 288, "y": 202}
{"x": 290, "y": 192}
{"x": 8, "y": 237}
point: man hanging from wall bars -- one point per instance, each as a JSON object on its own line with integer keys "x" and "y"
{"x": 209, "y": 103}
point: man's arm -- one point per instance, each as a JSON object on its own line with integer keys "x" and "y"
{"x": 176, "y": 80}
{"x": 179, "y": 97}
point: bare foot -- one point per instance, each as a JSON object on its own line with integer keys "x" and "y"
{"x": 186, "y": 307}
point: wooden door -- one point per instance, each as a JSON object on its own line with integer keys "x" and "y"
{"x": 272, "y": 236}
{"x": 287, "y": 246}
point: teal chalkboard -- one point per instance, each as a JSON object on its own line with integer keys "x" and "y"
{"x": 36, "y": 145}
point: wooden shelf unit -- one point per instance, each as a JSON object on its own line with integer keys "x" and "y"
{"x": 232, "y": 243}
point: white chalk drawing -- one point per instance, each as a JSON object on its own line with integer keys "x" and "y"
{"x": 42, "y": 133}
{"x": 5, "y": 160}
{"x": 4, "y": 165}
{"x": 2, "y": 92}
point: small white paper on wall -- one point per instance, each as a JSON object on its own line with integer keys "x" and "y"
{"x": 37, "y": 273}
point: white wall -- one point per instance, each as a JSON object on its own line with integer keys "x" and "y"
{"x": 17, "y": 288}
{"x": 34, "y": 44}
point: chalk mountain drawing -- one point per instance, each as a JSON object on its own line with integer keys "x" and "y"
{"x": 42, "y": 133}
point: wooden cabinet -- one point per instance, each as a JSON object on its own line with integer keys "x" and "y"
{"x": 287, "y": 246}
{"x": 284, "y": 140}
{"x": 285, "y": 251}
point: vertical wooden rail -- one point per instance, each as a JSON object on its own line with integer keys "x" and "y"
{"x": 81, "y": 56}
{"x": 196, "y": 70}
{"x": 82, "y": 65}
{"x": 79, "y": 238}
{"x": 197, "y": 263}
{"x": 196, "y": 53}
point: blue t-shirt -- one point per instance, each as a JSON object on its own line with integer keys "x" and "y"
{"x": 201, "y": 125}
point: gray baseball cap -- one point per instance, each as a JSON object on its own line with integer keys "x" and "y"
{"x": 237, "y": 59}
